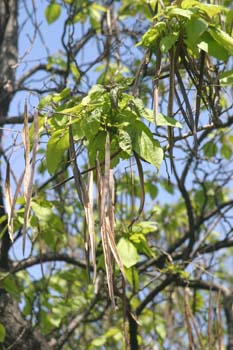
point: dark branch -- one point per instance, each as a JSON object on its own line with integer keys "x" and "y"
{"x": 46, "y": 257}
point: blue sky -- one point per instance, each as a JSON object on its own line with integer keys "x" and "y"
{"x": 30, "y": 53}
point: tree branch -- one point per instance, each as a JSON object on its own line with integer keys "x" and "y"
{"x": 154, "y": 292}
{"x": 13, "y": 120}
{"x": 199, "y": 284}
{"x": 46, "y": 257}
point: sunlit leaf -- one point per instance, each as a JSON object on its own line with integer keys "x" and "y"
{"x": 194, "y": 29}
{"x": 209, "y": 9}
{"x": 168, "y": 41}
{"x": 132, "y": 277}
{"x": 52, "y": 12}
{"x": 175, "y": 11}
{"x": 144, "y": 144}
{"x": 162, "y": 120}
{"x": 149, "y": 38}
{"x": 226, "y": 78}
{"x": 127, "y": 252}
{"x": 145, "y": 227}
{"x": 56, "y": 147}
{"x": 100, "y": 341}
{"x": 226, "y": 151}
{"x": 222, "y": 38}
{"x": 125, "y": 142}
{"x": 208, "y": 44}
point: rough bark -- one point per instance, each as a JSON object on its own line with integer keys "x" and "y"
{"x": 8, "y": 59}
{"x": 8, "y": 51}
{"x": 20, "y": 334}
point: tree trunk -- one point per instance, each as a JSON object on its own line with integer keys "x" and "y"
{"x": 8, "y": 59}
{"x": 20, "y": 334}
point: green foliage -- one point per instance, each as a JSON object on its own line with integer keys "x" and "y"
{"x": 128, "y": 252}
{"x": 162, "y": 120}
{"x": 47, "y": 222}
{"x": 57, "y": 145}
{"x": 198, "y": 24}
{"x": 2, "y": 333}
{"x": 103, "y": 109}
{"x": 169, "y": 226}
{"x": 112, "y": 333}
{"x": 52, "y": 12}
{"x": 210, "y": 149}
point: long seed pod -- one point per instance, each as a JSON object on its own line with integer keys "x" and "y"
{"x": 8, "y": 199}
{"x": 29, "y": 183}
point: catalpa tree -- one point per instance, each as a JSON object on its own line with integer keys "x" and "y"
{"x": 116, "y": 193}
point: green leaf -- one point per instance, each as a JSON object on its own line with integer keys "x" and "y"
{"x": 145, "y": 227}
{"x": 194, "y": 29}
{"x": 148, "y": 149}
{"x": 2, "y": 333}
{"x": 125, "y": 142}
{"x": 114, "y": 332}
{"x": 226, "y": 151}
{"x": 74, "y": 70}
{"x": 46, "y": 101}
{"x": 132, "y": 277}
{"x": 100, "y": 341}
{"x": 61, "y": 310}
{"x": 180, "y": 12}
{"x": 72, "y": 111}
{"x": 61, "y": 95}
{"x": 43, "y": 210}
{"x": 222, "y": 38}
{"x": 226, "y": 78}
{"x": 96, "y": 144}
{"x": 144, "y": 144}
{"x": 55, "y": 320}
{"x": 56, "y": 147}
{"x": 150, "y": 37}
{"x": 44, "y": 322}
{"x": 163, "y": 120}
{"x": 99, "y": 7}
{"x": 141, "y": 244}
{"x": 167, "y": 42}
{"x": 9, "y": 284}
{"x": 87, "y": 126}
{"x": 210, "y": 10}
{"x": 161, "y": 330}
{"x": 96, "y": 92}
{"x": 127, "y": 252}
{"x": 56, "y": 61}
{"x": 210, "y": 149}
{"x": 151, "y": 189}
{"x": 229, "y": 21}
{"x": 95, "y": 15}
{"x": 208, "y": 44}
{"x": 52, "y": 12}
{"x": 168, "y": 186}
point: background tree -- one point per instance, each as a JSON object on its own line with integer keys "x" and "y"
{"x": 123, "y": 210}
